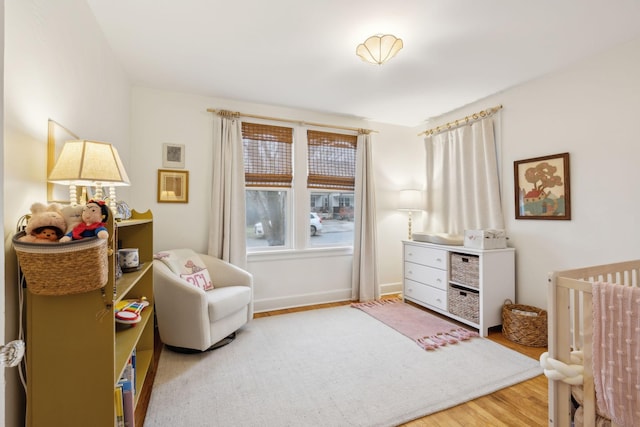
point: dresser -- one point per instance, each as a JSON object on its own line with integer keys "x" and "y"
{"x": 464, "y": 284}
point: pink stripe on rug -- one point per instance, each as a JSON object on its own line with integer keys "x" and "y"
{"x": 427, "y": 330}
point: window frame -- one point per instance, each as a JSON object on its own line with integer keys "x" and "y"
{"x": 297, "y": 231}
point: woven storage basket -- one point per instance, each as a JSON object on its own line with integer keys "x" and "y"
{"x": 465, "y": 269}
{"x": 524, "y": 324}
{"x": 464, "y": 303}
{"x": 63, "y": 268}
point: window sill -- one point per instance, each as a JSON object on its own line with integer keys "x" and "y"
{"x": 283, "y": 254}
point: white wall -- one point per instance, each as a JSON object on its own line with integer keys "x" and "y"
{"x": 58, "y": 66}
{"x": 589, "y": 110}
{"x": 284, "y": 280}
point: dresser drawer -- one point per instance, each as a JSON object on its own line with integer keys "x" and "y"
{"x": 427, "y": 275}
{"x": 427, "y": 256}
{"x": 426, "y": 294}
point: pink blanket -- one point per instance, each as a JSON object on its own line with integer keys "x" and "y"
{"x": 616, "y": 351}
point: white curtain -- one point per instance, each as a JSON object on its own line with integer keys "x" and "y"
{"x": 227, "y": 235}
{"x": 463, "y": 190}
{"x": 364, "y": 284}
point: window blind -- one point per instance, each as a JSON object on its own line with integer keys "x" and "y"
{"x": 267, "y": 155}
{"x": 332, "y": 160}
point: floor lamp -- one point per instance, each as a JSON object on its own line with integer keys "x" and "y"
{"x": 410, "y": 201}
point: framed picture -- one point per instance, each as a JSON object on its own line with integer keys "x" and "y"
{"x": 542, "y": 187}
{"x": 57, "y": 135}
{"x": 173, "y": 186}
{"x": 173, "y": 156}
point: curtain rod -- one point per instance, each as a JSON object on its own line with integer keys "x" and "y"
{"x": 461, "y": 122}
{"x": 300, "y": 122}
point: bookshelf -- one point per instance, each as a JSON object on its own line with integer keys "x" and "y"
{"x": 76, "y": 352}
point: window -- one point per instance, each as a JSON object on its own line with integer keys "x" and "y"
{"x": 268, "y": 179}
{"x": 289, "y": 204}
{"x": 331, "y": 181}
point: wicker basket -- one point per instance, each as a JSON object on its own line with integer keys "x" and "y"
{"x": 524, "y": 324}
{"x": 464, "y": 303}
{"x": 465, "y": 269}
{"x": 63, "y": 268}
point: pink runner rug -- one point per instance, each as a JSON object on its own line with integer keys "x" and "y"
{"x": 427, "y": 330}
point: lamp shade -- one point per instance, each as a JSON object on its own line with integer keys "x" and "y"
{"x": 379, "y": 49}
{"x": 89, "y": 163}
{"x": 410, "y": 200}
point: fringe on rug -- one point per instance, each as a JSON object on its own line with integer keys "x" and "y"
{"x": 451, "y": 337}
{"x": 376, "y": 303}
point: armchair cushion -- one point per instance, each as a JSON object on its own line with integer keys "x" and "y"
{"x": 226, "y": 301}
{"x": 188, "y": 265}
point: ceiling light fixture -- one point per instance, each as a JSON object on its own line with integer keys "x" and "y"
{"x": 379, "y": 49}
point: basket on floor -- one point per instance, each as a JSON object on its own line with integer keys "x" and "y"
{"x": 63, "y": 268}
{"x": 524, "y": 324}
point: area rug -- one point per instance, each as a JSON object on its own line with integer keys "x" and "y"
{"x": 327, "y": 367}
{"x": 427, "y": 330}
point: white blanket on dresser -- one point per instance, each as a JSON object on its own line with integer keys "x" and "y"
{"x": 616, "y": 351}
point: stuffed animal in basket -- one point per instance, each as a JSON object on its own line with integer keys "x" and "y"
{"x": 46, "y": 224}
{"x": 94, "y": 215}
{"x": 72, "y": 216}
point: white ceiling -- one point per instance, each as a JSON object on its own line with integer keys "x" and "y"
{"x": 301, "y": 53}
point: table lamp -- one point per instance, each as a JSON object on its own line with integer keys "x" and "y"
{"x": 89, "y": 163}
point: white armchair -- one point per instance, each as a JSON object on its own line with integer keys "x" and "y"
{"x": 191, "y": 319}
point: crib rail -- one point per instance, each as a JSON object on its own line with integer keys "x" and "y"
{"x": 570, "y": 329}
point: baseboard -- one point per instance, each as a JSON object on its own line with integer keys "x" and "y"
{"x": 293, "y": 301}
{"x": 303, "y": 300}
{"x": 391, "y": 288}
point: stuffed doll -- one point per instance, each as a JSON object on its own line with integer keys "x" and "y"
{"x": 46, "y": 224}
{"x": 49, "y": 234}
{"x": 94, "y": 215}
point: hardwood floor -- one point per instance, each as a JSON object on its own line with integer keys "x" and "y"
{"x": 524, "y": 404}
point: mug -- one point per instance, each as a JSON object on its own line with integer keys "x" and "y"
{"x": 128, "y": 258}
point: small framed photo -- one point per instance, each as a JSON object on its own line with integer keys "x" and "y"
{"x": 173, "y": 186}
{"x": 173, "y": 156}
{"x": 542, "y": 187}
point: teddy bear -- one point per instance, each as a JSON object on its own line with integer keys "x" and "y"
{"x": 72, "y": 215}
{"x": 94, "y": 215}
{"x": 46, "y": 224}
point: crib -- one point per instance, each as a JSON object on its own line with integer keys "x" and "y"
{"x": 570, "y": 335}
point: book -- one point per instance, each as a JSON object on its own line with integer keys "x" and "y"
{"x": 119, "y": 422}
{"x": 128, "y": 403}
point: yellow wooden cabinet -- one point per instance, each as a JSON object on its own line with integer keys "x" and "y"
{"x": 76, "y": 352}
